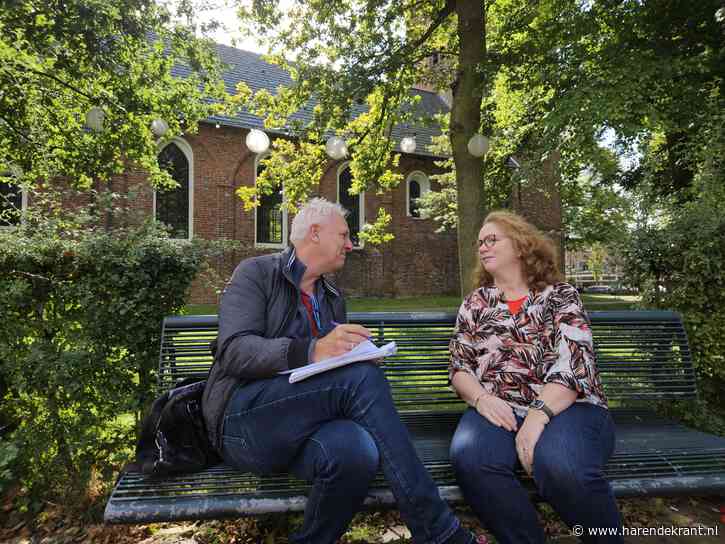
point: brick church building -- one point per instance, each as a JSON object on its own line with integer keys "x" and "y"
{"x": 211, "y": 164}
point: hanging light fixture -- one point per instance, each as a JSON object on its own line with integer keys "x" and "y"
{"x": 336, "y": 148}
{"x": 257, "y": 141}
{"x": 478, "y": 145}
{"x": 95, "y": 118}
{"x": 159, "y": 127}
{"x": 512, "y": 163}
{"x": 407, "y": 144}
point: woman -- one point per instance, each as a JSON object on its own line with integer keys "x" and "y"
{"x": 522, "y": 358}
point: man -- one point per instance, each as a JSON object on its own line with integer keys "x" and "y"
{"x": 334, "y": 429}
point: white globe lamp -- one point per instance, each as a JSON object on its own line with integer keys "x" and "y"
{"x": 336, "y": 148}
{"x": 159, "y": 127}
{"x": 257, "y": 141}
{"x": 407, "y": 144}
{"x": 478, "y": 145}
{"x": 95, "y": 118}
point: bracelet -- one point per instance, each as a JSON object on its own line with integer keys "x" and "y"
{"x": 475, "y": 404}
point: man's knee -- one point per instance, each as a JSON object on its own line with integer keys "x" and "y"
{"x": 365, "y": 371}
{"x": 350, "y": 451}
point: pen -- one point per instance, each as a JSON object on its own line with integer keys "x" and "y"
{"x": 335, "y": 323}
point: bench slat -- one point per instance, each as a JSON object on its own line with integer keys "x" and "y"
{"x": 639, "y": 353}
{"x": 652, "y": 457}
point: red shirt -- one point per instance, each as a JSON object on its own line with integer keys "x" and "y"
{"x": 515, "y": 305}
{"x": 307, "y": 301}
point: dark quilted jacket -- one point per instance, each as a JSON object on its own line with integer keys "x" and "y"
{"x": 255, "y": 307}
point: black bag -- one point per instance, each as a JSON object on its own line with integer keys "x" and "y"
{"x": 173, "y": 435}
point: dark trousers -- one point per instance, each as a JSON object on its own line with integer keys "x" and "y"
{"x": 334, "y": 430}
{"x": 568, "y": 471}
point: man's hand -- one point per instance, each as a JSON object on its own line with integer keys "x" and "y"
{"x": 339, "y": 340}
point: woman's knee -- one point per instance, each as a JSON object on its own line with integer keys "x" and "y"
{"x": 478, "y": 447}
{"x": 463, "y": 450}
{"x": 561, "y": 473}
{"x": 569, "y": 456}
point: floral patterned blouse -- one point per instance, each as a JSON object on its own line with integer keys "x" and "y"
{"x": 513, "y": 356}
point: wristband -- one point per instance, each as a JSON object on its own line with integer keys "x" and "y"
{"x": 539, "y": 404}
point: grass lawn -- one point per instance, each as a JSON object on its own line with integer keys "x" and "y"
{"x": 199, "y": 309}
{"x": 439, "y": 303}
{"x": 610, "y": 302}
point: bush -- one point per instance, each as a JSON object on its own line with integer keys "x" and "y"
{"x": 80, "y": 323}
{"x": 680, "y": 264}
{"x": 8, "y": 458}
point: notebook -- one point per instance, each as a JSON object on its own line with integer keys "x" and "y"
{"x": 364, "y": 351}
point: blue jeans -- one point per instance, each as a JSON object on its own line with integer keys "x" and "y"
{"x": 568, "y": 472}
{"x": 334, "y": 430}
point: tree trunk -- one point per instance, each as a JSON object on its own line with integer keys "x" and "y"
{"x": 465, "y": 122}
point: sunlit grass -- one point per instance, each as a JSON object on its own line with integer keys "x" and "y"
{"x": 438, "y": 304}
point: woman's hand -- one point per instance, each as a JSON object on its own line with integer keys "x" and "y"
{"x": 497, "y": 411}
{"x": 528, "y": 436}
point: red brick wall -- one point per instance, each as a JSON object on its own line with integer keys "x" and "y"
{"x": 539, "y": 200}
{"x": 418, "y": 261}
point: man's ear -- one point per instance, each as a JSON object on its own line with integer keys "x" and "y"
{"x": 315, "y": 232}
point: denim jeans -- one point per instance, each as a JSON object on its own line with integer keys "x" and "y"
{"x": 334, "y": 430}
{"x": 568, "y": 472}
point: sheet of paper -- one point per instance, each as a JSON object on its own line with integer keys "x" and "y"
{"x": 364, "y": 351}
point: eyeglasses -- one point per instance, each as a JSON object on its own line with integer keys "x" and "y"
{"x": 490, "y": 241}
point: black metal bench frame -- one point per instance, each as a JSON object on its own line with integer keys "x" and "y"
{"x": 643, "y": 356}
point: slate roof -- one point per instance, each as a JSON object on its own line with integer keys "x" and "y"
{"x": 257, "y": 74}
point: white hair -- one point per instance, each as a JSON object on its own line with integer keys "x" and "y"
{"x": 313, "y": 212}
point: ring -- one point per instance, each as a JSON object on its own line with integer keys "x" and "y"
{"x": 351, "y": 346}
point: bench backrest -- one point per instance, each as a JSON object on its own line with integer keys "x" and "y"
{"x": 642, "y": 355}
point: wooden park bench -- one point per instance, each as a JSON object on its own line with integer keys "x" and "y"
{"x": 643, "y": 358}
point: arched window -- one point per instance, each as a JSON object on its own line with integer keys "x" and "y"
{"x": 13, "y": 201}
{"x": 416, "y": 186}
{"x": 355, "y": 204}
{"x": 173, "y": 207}
{"x": 270, "y": 217}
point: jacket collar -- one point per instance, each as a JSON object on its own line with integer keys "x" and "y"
{"x": 293, "y": 269}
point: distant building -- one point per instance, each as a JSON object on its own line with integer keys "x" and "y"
{"x": 579, "y": 271}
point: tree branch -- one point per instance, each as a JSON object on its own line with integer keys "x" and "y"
{"x": 69, "y": 86}
{"x": 16, "y": 130}
{"x": 391, "y": 63}
{"x": 442, "y": 15}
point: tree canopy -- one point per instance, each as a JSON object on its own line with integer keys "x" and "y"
{"x": 347, "y": 54}
{"x": 537, "y": 77}
{"x": 542, "y": 79}
{"x": 60, "y": 59}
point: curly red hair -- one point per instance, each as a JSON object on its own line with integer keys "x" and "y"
{"x": 539, "y": 261}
